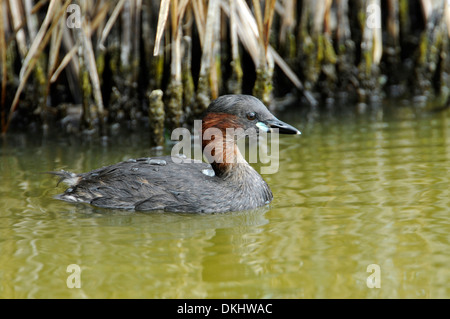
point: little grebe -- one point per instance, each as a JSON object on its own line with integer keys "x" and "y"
{"x": 164, "y": 184}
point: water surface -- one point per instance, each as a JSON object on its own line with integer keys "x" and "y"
{"x": 352, "y": 191}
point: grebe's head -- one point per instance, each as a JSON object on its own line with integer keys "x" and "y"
{"x": 243, "y": 112}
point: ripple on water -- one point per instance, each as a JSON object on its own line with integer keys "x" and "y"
{"x": 347, "y": 194}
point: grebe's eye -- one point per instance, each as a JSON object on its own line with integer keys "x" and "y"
{"x": 251, "y": 116}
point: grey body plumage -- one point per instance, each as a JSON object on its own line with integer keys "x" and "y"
{"x": 143, "y": 185}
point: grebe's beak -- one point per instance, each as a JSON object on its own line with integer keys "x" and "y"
{"x": 273, "y": 125}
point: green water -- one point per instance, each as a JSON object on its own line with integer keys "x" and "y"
{"x": 352, "y": 191}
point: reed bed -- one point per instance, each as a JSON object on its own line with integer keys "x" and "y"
{"x": 92, "y": 66}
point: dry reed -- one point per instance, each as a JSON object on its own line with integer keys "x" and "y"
{"x": 115, "y": 58}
